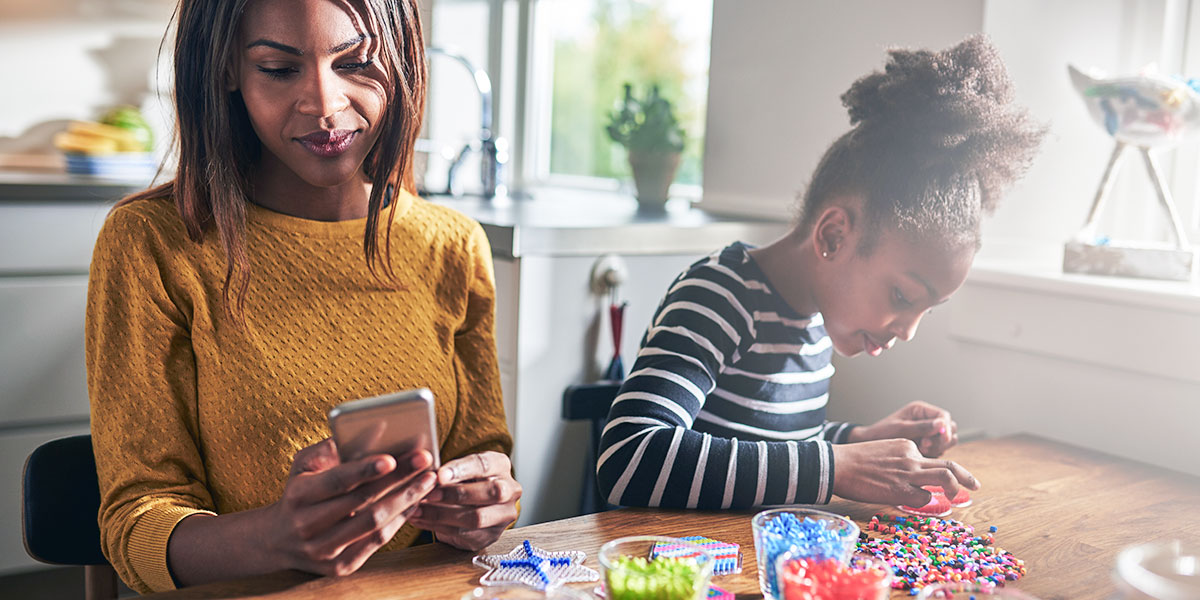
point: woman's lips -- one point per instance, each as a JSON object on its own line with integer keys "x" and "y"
{"x": 328, "y": 144}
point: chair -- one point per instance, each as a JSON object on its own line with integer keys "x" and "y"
{"x": 590, "y": 402}
{"x": 60, "y": 501}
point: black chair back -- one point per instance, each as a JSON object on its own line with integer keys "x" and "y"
{"x": 590, "y": 402}
{"x": 60, "y": 502}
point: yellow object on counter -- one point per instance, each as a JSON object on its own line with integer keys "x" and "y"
{"x": 97, "y": 138}
{"x": 84, "y": 144}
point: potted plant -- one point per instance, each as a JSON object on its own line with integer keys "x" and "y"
{"x": 648, "y": 130}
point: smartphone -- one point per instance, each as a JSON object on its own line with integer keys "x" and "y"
{"x": 389, "y": 424}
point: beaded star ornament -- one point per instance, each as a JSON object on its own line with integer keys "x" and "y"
{"x": 529, "y": 565}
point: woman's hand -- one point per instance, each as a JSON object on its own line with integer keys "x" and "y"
{"x": 475, "y": 501}
{"x": 892, "y": 472}
{"x": 930, "y": 427}
{"x": 333, "y": 516}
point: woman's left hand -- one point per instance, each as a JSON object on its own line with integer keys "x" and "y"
{"x": 476, "y": 499}
{"x": 929, "y": 426}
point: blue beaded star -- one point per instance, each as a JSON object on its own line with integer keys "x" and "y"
{"x": 534, "y": 567}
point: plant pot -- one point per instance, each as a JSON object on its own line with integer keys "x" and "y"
{"x": 652, "y": 174}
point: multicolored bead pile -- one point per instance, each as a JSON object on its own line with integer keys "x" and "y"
{"x": 808, "y": 538}
{"x": 925, "y": 550}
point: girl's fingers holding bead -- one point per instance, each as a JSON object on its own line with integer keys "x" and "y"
{"x": 947, "y": 474}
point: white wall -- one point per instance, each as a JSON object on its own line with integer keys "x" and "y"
{"x": 777, "y": 70}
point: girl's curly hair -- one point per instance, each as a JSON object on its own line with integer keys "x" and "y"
{"x": 935, "y": 141}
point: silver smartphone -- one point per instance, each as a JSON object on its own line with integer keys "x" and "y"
{"x": 389, "y": 424}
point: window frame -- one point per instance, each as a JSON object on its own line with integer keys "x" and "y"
{"x": 520, "y": 65}
{"x": 1184, "y": 178}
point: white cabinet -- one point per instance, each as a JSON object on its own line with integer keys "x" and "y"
{"x": 45, "y": 249}
{"x": 552, "y": 331}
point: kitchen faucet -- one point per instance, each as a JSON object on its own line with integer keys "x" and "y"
{"x": 493, "y": 150}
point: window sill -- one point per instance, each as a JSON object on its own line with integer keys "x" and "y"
{"x": 1143, "y": 326}
{"x": 1050, "y": 280}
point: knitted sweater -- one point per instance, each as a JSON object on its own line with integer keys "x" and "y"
{"x": 194, "y": 413}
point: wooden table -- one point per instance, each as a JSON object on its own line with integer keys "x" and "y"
{"x": 1065, "y": 510}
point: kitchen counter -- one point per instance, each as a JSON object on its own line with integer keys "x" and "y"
{"x": 545, "y": 222}
{"x": 568, "y": 222}
{"x": 48, "y": 186}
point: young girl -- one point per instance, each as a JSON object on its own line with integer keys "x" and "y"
{"x": 286, "y": 269}
{"x": 725, "y": 404}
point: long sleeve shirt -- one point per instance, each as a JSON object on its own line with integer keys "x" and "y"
{"x": 194, "y": 413}
{"x": 724, "y": 406}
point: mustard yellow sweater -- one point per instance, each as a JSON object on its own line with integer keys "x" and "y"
{"x": 191, "y": 413}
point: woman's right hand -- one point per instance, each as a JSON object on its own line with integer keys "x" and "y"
{"x": 892, "y": 472}
{"x": 332, "y": 517}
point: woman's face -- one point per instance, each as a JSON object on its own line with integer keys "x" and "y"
{"x": 312, "y": 87}
{"x": 869, "y": 302}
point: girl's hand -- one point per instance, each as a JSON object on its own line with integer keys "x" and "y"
{"x": 333, "y": 516}
{"x": 892, "y": 472}
{"x": 475, "y": 501}
{"x": 929, "y": 426}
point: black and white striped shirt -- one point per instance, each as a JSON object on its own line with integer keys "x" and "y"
{"x": 725, "y": 404}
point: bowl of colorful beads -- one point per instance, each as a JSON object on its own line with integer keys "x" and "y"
{"x": 808, "y": 533}
{"x": 963, "y": 590}
{"x": 630, "y": 572}
{"x": 863, "y": 577}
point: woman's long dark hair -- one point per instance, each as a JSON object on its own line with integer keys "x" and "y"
{"x": 218, "y": 147}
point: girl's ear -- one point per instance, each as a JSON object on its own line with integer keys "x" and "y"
{"x": 832, "y": 231}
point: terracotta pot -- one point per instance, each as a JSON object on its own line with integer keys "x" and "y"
{"x": 652, "y": 174}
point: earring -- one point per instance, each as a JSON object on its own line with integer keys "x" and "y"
{"x": 824, "y": 254}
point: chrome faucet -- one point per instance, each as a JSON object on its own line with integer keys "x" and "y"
{"x": 493, "y": 150}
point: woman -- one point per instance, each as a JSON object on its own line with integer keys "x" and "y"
{"x": 288, "y": 268}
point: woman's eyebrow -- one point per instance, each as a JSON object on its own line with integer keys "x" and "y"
{"x": 275, "y": 45}
{"x": 346, "y": 45}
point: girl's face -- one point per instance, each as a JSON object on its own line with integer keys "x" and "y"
{"x": 869, "y": 302}
{"x": 312, "y": 87}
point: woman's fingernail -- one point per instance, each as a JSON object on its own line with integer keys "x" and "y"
{"x": 379, "y": 466}
{"x": 419, "y": 461}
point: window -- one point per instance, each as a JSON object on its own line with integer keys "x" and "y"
{"x": 1186, "y": 179}
{"x": 557, "y": 68}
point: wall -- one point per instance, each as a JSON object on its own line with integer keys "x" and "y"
{"x": 777, "y": 70}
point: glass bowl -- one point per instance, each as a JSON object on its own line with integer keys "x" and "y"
{"x": 630, "y": 574}
{"x": 956, "y": 590}
{"x": 778, "y": 530}
{"x": 863, "y": 577}
{"x": 1159, "y": 570}
{"x": 524, "y": 592}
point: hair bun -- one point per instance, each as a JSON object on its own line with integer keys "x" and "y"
{"x": 952, "y": 108}
{"x": 919, "y": 84}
